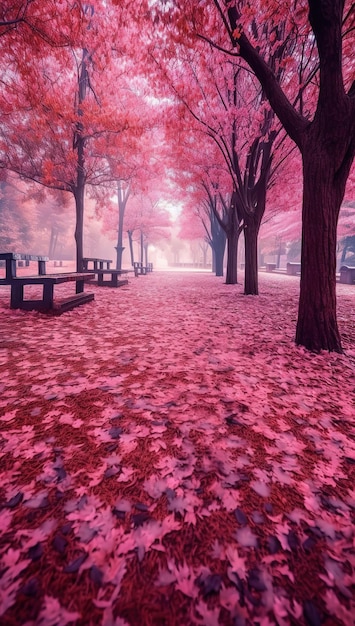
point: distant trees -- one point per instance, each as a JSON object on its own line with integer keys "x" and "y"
{"x": 63, "y": 124}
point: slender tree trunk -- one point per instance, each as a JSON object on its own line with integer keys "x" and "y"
{"x": 130, "y": 240}
{"x": 146, "y": 254}
{"x": 79, "y": 227}
{"x": 79, "y": 145}
{"x": 251, "y": 258}
{"x": 279, "y": 249}
{"x": 119, "y": 247}
{"x": 53, "y": 242}
{"x": 219, "y": 249}
{"x": 122, "y": 196}
{"x": 232, "y": 256}
{"x": 323, "y": 192}
{"x": 213, "y": 260}
{"x": 142, "y": 248}
{"x": 343, "y": 254}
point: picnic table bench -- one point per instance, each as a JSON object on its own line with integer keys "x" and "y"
{"x": 95, "y": 264}
{"x": 292, "y": 269}
{"x": 12, "y": 258}
{"x": 270, "y": 267}
{"x": 139, "y": 268}
{"x": 47, "y": 303}
{"x": 101, "y": 268}
{"x": 347, "y": 274}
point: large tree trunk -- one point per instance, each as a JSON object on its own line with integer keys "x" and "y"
{"x": 323, "y": 192}
{"x": 251, "y": 258}
{"x": 327, "y": 145}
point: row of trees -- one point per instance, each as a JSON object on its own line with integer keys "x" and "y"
{"x": 259, "y": 79}
{"x": 251, "y": 97}
{"x": 77, "y": 118}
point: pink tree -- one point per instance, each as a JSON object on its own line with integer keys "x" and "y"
{"x": 226, "y": 103}
{"x": 64, "y": 124}
{"x": 322, "y": 127}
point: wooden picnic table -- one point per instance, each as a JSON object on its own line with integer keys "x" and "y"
{"x": 96, "y": 264}
{"x": 293, "y": 269}
{"x": 347, "y": 274}
{"x": 48, "y": 281}
{"x": 101, "y": 268}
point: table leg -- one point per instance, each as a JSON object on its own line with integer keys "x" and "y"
{"x": 48, "y": 290}
{"x": 79, "y": 286}
{"x": 41, "y": 268}
{"x": 16, "y": 295}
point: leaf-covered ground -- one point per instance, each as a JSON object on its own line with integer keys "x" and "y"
{"x": 168, "y": 456}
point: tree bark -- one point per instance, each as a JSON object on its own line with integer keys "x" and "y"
{"x": 130, "y": 240}
{"x": 122, "y": 197}
{"x": 219, "y": 255}
{"x": 232, "y": 256}
{"x": 251, "y": 258}
{"x": 79, "y": 227}
{"x": 323, "y": 192}
{"x": 119, "y": 247}
{"x": 142, "y": 248}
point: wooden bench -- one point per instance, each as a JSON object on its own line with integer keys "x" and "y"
{"x": 102, "y": 264}
{"x": 11, "y": 259}
{"x": 347, "y": 274}
{"x": 270, "y": 267}
{"x": 47, "y": 303}
{"x": 139, "y": 268}
{"x": 113, "y": 280}
{"x": 292, "y": 269}
{"x": 149, "y": 267}
{"x": 101, "y": 268}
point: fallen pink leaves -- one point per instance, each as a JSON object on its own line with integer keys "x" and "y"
{"x": 200, "y": 446}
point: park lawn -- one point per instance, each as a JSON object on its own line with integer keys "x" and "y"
{"x": 168, "y": 456}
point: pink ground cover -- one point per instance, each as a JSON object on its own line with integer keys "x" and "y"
{"x": 168, "y": 456}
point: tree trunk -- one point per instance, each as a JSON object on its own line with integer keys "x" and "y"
{"x": 278, "y": 257}
{"x": 79, "y": 145}
{"x": 343, "y": 254}
{"x": 213, "y": 261}
{"x": 142, "y": 248}
{"x": 130, "y": 239}
{"x": 79, "y": 227}
{"x": 219, "y": 249}
{"x": 122, "y": 198}
{"x": 251, "y": 258}
{"x": 317, "y": 327}
{"x": 53, "y": 242}
{"x": 119, "y": 247}
{"x": 232, "y": 256}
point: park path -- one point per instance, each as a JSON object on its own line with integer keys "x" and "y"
{"x": 169, "y": 456}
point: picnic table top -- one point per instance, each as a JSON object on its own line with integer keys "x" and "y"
{"x": 99, "y": 270}
{"x": 87, "y": 258}
{"x": 19, "y": 256}
{"x": 55, "y": 278}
